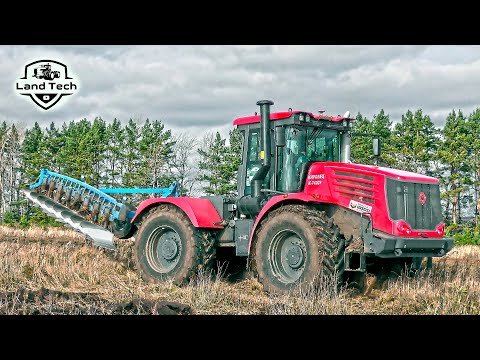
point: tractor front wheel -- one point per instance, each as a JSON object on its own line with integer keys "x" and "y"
{"x": 168, "y": 246}
{"x": 297, "y": 245}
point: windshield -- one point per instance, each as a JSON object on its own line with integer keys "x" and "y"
{"x": 304, "y": 144}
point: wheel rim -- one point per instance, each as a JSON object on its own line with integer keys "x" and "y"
{"x": 287, "y": 256}
{"x": 163, "y": 249}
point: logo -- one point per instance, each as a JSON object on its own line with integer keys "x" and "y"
{"x": 422, "y": 198}
{"x": 314, "y": 179}
{"x": 359, "y": 207}
{"x": 46, "y": 82}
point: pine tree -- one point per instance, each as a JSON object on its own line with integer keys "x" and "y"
{"x": 131, "y": 155}
{"x": 453, "y": 155}
{"x": 415, "y": 142}
{"x": 97, "y": 147}
{"x": 381, "y": 126}
{"x": 52, "y": 142}
{"x": 473, "y": 127}
{"x": 68, "y": 152}
{"x": 233, "y": 159}
{"x": 212, "y": 165}
{"x": 114, "y": 141}
{"x": 31, "y": 156}
{"x": 361, "y": 152}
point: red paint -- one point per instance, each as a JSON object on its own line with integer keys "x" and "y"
{"x": 284, "y": 115}
{"x": 273, "y": 116}
{"x": 331, "y": 118}
{"x": 201, "y": 212}
{"x": 393, "y": 173}
{"x": 353, "y": 186}
{"x": 331, "y": 191}
{"x": 326, "y": 186}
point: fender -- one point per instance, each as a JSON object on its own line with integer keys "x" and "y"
{"x": 274, "y": 202}
{"x": 201, "y": 212}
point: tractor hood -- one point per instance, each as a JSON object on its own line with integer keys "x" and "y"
{"x": 390, "y": 195}
{"x": 394, "y": 173}
{"x": 360, "y": 169}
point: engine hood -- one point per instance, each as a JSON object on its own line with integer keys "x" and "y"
{"x": 393, "y": 173}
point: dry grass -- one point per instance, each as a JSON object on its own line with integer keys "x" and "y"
{"x": 82, "y": 279}
{"x": 38, "y": 233}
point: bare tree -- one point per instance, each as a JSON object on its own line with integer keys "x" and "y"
{"x": 183, "y": 163}
{"x": 9, "y": 166}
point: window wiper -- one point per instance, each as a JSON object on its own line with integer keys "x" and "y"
{"x": 317, "y": 131}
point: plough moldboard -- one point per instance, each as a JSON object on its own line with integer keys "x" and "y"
{"x": 88, "y": 210}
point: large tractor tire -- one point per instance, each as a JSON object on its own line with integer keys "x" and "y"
{"x": 297, "y": 246}
{"x": 168, "y": 246}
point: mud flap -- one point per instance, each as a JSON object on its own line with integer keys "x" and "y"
{"x": 100, "y": 236}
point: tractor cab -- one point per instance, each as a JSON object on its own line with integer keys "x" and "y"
{"x": 296, "y": 139}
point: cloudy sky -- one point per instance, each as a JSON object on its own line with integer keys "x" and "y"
{"x": 199, "y": 89}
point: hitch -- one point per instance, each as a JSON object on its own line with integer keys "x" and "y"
{"x": 355, "y": 261}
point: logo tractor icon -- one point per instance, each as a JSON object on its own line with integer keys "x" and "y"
{"x": 45, "y": 72}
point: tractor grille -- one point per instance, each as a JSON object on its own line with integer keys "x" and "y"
{"x": 405, "y": 203}
{"x": 355, "y": 186}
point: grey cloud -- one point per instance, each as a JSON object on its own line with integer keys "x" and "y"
{"x": 203, "y": 88}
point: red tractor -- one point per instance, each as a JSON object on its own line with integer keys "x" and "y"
{"x": 303, "y": 211}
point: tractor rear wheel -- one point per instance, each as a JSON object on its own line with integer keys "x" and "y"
{"x": 297, "y": 246}
{"x": 168, "y": 246}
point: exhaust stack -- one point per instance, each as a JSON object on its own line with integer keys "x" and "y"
{"x": 265, "y": 154}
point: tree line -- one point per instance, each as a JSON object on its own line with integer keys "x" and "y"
{"x": 146, "y": 154}
{"x": 135, "y": 154}
{"x": 450, "y": 153}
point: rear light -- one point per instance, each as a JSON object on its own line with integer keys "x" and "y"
{"x": 441, "y": 229}
{"x": 404, "y": 228}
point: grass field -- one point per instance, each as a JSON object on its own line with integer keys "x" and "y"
{"x": 56, "y": 272}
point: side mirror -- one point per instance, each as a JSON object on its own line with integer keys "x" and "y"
{"x": 377, "y": 147}
{"x": 280, "y": 140}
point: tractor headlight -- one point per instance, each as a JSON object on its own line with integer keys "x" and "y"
{"x": 301, "y": 117}
{"x": 344, "y": 123}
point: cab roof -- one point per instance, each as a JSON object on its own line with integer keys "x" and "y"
{"x": 284, "y": 115}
